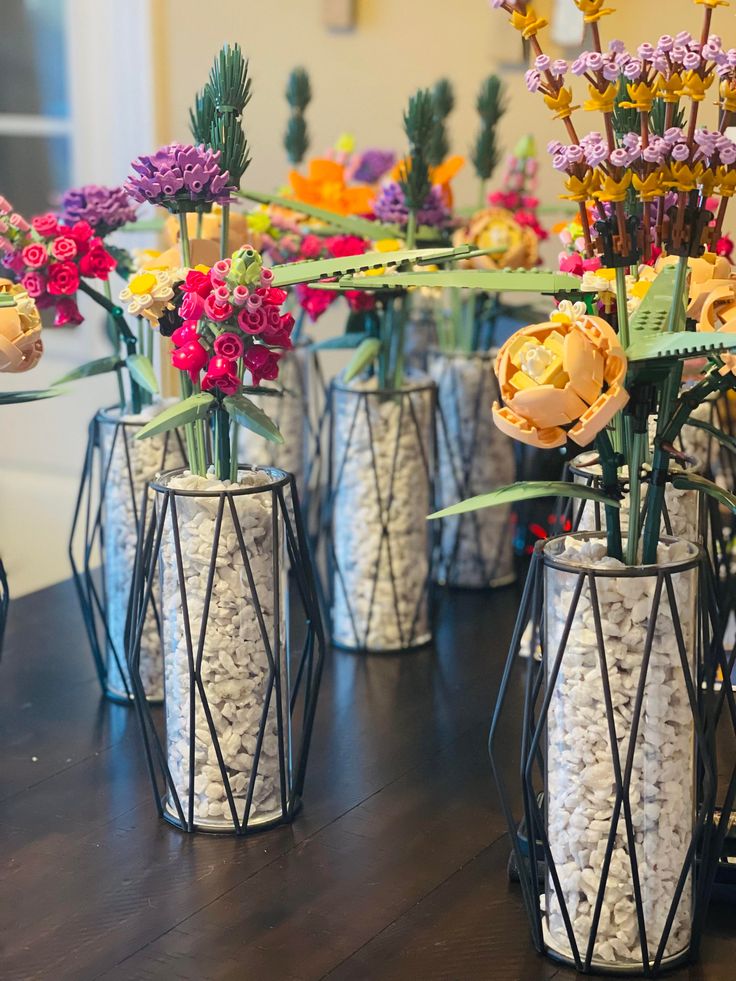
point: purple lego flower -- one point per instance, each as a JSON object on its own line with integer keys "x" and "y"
{"x": 179, "y": 177}
{"x": 390, "y": 206}
{"x": 104, "y": 208}
{"x": 373, "y": 165}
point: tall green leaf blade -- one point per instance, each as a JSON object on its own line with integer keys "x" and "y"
{"x": 250, "y": 416}
{"x": 526, "y": 491}
{"x": 99, "y": 367}
{"x": 366, "y": 354}
{"x": 195, "y": 407}
{"x": 141, "y": 371}
{"x": 723, "y": 438}
{"x": 30, "y": 395}
{"x": 347, "y": 224}
{"x": 342, "y": 343}
{"x": 680, "y": 344}
{"x": 489, "y": 281}
{"x": 702, "y": 485}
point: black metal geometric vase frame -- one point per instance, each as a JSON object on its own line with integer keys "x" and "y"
{"x": 4, "y": 603}
{"x": 475, "y": 549}
{"x": 88, "y": 540}
{"x": 282, "y": 620}
{"x": 393, "y": 612}
{"x": 523, "y": 795}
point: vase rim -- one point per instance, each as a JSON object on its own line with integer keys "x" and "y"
{"x": 629, "y": 571}
{"x": 279, "y": 479}
{"x": 580, "y": 469}
{"x": 489, "y": 354}
{"x": 412, "y": 383}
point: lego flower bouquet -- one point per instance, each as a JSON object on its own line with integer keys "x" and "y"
{"x": 614, "y": 737}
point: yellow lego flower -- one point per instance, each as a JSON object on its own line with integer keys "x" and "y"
{"x": 593, "y": 10}
{"x": 561, "y": 103}
{"x": 582, "y": 188}
{"x": 604, "y": 101}
{"x": 642, "y": 96}
{"x": 668, "y": 89}
{"x": 683, "y": 176}
{"x": 528, "y": 24}
{"x": 712, "y": 3}
{"x": 613, "y": 190}
{"x": 650, "y": 187}
{"x": 727, "y": 92}
{"x": 560, "y": 379}
{"x": 509, "y": 244}
{"x": 726, "y": 182}
{"x": 695, "y": 87}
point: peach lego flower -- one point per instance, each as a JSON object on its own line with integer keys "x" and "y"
{"x": 560, "y": 379}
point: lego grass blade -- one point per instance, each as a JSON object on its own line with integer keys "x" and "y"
{"x": 346, "y": 224}
{"x": 526, "y": 491}
{"x": 729, "y": 442}
{"x": 702, "y": 485}
{"x": 15, "y": 398}
{"x": 310, "y": 270}
{"x": 680, "y": 345}
{"x": 489, "y": 281}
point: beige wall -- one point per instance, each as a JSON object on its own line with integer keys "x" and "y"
{"x": 362, "y": 79}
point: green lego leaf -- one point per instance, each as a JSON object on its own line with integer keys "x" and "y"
{"x": 526, "y": 491}
{"x": 366, "y": 354}
{"x": 99, "y": 367}
{"x": 419, "y": 126}
{"x": 310, "y": 270}
{"x": 723, "y": 438}
{"x": 501, "y": 281}
{"x": 30, "y": 395}
{"x": 342, "y": 343}
{"x": 195, "y": 407}
{"x": 654, "y": 310}
{"x": 704, "y": 486}
{"x": 682, "y": 344}
{"x": 347, "y": 224}
{"x": 250, "y": 416}
{"x": 141, "y": 371}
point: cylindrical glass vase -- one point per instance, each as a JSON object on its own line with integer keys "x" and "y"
{"x": 127, "y": 465}
{"x": 381, "y": 466}
{"x": 243, "y": 649}
{"x": 620, "y": 763}
{"x": 474, "y": 550}
{"x": 291, "y": 412}
{"x": 682, "y": 512}
{"x": 420, "y": 333}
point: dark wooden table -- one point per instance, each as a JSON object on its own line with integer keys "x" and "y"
{"x": 396, "y": 867}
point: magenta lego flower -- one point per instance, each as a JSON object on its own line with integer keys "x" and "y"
{"x": 63, "y": 248}
{"x": 45, "y": 225}
{"x": 63, "y": 278}
{"x": 104, "y": 208}
{"x": 229, "y": 345}
{"x": 222, "y": 373}
{"x": 190, "y": 357}
{"x": 180, "y": 178}
{"x": 67, "y": 313}
{"x": 262, "y": 364}
{"x": 35, "y": 255}
{"x": 34, "y": 284}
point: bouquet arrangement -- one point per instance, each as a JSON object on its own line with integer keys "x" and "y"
{"x": 574, "y": 376}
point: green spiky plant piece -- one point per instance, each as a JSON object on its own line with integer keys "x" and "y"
{"x": 485, "y": 154}
{"x": 230, "y": 90}
{"x": 298, "y": 95}
{"x": 419, "y": 126}
{"x": 443, "y": 98}
{"x": 202, "y": 115}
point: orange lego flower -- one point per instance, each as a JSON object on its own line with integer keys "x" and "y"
{"x": 325, "y": 187}
{"x": 560, "y": 379}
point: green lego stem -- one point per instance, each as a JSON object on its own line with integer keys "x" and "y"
{"x": 609, "y": 467}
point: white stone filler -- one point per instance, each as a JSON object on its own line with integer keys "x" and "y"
{"x": 683, "y": 506}
{"x": 374, "y": 437}
{"x": 580, "y": 775}
{"x": 477, "y": 550}
{"x": 289, "y": 414}
{"x": 120, "y": 506}
{"x": 235, "y": 666}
